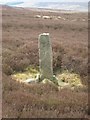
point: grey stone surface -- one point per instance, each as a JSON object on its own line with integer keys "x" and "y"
{"x": 45, "y": 56}
{"x": 33, "y": 80}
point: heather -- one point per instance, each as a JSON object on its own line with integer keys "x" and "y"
{"x": 20, "y": 50}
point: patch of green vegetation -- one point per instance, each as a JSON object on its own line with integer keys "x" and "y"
{"x": 72, "y": 79}
{"x": 29, "y": 72}
{"x": 63, "y": 79}
{"x": 32, "y": 69}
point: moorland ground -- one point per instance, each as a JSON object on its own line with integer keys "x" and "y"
{"x": 69, "y": 35}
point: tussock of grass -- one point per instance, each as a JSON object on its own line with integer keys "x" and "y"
{"x": 30, "y": 72}
{"x": 72, "y": 79}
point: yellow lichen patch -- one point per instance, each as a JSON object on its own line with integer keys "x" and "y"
{"x": 28, "y": 73}
{"x": 71, "y": 78}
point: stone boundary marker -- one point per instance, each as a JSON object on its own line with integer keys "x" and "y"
{"x": 45, "y": 56}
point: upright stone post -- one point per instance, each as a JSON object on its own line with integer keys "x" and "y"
{"x": 45, "y": 56}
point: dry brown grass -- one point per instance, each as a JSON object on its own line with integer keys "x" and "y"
{"x": 20, "y": 49}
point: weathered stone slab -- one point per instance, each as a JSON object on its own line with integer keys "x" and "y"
{"x": 45, "y": 56}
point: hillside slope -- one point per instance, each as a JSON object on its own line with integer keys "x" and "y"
{"x": 68, "y": 32}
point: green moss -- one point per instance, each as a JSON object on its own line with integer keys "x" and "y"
{"x": 72, "y": 78}
{"x": 32, "y": 70}
{"x": 63, "y": 79}
{"x": 29, "y": 72}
